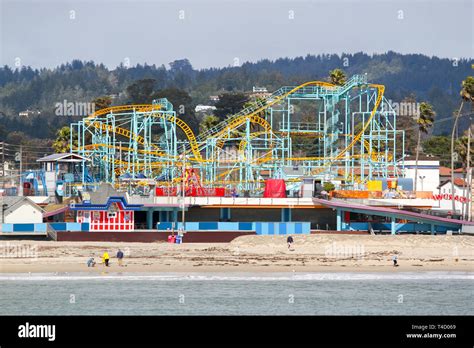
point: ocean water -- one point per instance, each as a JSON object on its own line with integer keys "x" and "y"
{"x": 421, "y": 293}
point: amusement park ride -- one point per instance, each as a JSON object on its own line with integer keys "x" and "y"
{"x": 353, "y": 127}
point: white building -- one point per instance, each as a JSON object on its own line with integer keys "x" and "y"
{"x": 200, "y": 108}
{"x": 428, "y": 174}
{"x": 259, "y": 89}
{"x": 18, "y": 210}
{"x": 461, "y": 196}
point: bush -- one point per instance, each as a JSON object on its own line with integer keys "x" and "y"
{"x": 328, "y": 186}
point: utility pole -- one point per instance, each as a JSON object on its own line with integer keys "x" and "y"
{"x": 20, "y": 191}
{"x": 469, "y": 175}
{"x": 3, "y": 158}
{"x": 3, "y": 165}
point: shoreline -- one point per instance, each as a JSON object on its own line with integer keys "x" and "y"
{"x": 248, "y": 254}
{"x": 46, "y": 269}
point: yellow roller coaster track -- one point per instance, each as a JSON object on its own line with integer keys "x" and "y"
{"x": 342, "y": 153}
{"x": 155, "y": 109}
{"x": 253, "y": 117}
{"x": 121, "y": 108}
{"x": 122, "y": 148}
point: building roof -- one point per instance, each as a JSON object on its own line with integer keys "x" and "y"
{"x": 54, "y": 209}
{"x": 445, "y": 171}
{"x": 103, "y": 192}
{"x": 391, "y": 212}
{"x": 13, "y": 201}
{"x": 457, "y": 181}
{"x": 63, "y": 157}
{"x": 421, "y": 157}
{"x": 106, "y": 206}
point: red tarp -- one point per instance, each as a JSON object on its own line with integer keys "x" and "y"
{"x": 192, "y": 191}
{"x": 274, "y": 188}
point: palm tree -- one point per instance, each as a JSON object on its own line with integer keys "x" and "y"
{"x": 208, "y": 122}
{"x": 425, "y": 122}
{"x": 62, "y": 142}
{"x": 467, "y": 95}
{"x": 466, "y": 154}
{"x": 461, "y": 148}
{"x": 337, "y": 77}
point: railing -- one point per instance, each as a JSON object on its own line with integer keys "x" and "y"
{"x": 51, "y": 233}
{"x": 228, "y": 201}
{"x": 300, "y": 126}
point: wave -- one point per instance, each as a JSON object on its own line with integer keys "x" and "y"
{"x": 322, "y": 276}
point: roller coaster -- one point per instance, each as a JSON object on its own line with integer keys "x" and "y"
{"x": 351, "y": 130}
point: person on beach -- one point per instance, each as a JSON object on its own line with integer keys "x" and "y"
{"x": 91, "y": 262}
{"x": 120, "y": 257}
{"x": 395, "y": 262}
{"x": 290, "y": 241}
{"x": 105, "y": 259}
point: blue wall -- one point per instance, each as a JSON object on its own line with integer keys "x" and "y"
{"x": 263, "y": 228}
{"x": 41, "y": 228}
{"x": 70, "y": 226}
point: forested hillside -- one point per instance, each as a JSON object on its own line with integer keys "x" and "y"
{"x": 430, "y": 79}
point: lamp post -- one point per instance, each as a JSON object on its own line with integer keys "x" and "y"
{"x": 422, "y": 177}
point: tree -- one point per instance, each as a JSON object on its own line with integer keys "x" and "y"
{"x": 181, "y": 100}
{"x": 63, "y": 138}
{"x": 182, "y": 72}
{"x": 208, "y": 122}
{"x": 3, "y": 132}
{"x": 425, "y": 122}
{"x": 181, "y": 65}
{"x": 329, "y": 186}
{"x": 465, "y": 152}
{"x": 337, "y": 77}
{"x": 141, "y": 91}
{"x": 461, "y": 149}
{"x": 467, "y": 95}
{"x": 182, "y": 105}
{"x": 438, "y": 146}
{"x": 17, "y": 138}
{"x": 230, "y": 104}
{"x": 256, "y": 104}
{"x": 102, "y": 102}
{"x": 407, "y": 122}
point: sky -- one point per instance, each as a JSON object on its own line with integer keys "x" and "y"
{"x": 218, "y": 33}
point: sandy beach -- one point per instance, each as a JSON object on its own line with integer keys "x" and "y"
{"x": 311, "y": 253}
